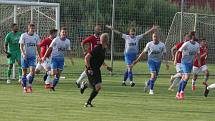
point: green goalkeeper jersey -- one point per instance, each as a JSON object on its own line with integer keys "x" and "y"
{"x": 12, "y": 40}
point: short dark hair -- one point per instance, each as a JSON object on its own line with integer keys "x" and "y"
{"x": 51, "y": 31}
{"x": 12, "y": 25}
{"x": 31, "y": 25}
{"x": 202, "y": 38}
{"x": 63, "y": 28}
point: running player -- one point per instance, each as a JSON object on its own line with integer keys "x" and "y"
{"x": 44, "y": 44}
{"x": 177, "y": 77}
{"x": 189, "y": 49}
{"x": 29, "y": 51}
{"x": 131, "y": 50}
{"x": 156, "y": 51}
{"x": 11, "y": 48}
{"x": 92, "y": 40}
{"x": 203, "y": 67}
{"x": 94, "y": 61}
{"x": 57, "y": 50}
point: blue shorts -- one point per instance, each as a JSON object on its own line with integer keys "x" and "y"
{"x": 29, "y": 62}
{"x": 57, "y": 63}
{"x": 130, "y": 57}
{"x": 186, "y": 67}
{"x": 154, "y": 66}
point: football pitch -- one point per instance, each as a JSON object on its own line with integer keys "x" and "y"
{"x": 113, "y": 103}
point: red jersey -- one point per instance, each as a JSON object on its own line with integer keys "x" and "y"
{"x": 203, "y": 51}
{"x": 44, "y": 44}
{"x": 93, "y": 40}
{"x": 178, "y": 45}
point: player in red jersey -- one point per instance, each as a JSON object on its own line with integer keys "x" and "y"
{"x": 177, "y": 77}
{"x": 92, "y": 40}
{"x": 203, "y": 67}
{"x": 44, "y": 44}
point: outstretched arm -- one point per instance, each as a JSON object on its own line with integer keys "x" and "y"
{"x": 116, "y": 31}
{"x": 139, "y": 58}
{"x": 173, "y": 51}
{"x": 166, "y": 60}
{"x": 151, "y": 30}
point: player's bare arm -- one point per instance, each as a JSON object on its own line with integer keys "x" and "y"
{"x": 173, "y": 51}
{"x": 116, "y": 31}
{"x": 139, "y": 58}
{"x": 151, "y": 30}
{"x": 107, "y": 67}
{"x": 87, "y": 63}
{"x": 47, "y": 54}
{"x": 22, "y": 51}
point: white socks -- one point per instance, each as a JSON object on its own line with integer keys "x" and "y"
{"x": 83, "y": 75}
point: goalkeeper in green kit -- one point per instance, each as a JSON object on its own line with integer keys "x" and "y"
{"x": 12, "y": 51}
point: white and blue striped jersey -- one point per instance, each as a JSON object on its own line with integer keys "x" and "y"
{"x": 132, "y": 43}
{"x": 30, "y": 44}
{"x": 59, "y": 47}
{"x": 155, "y": 51}
{"x": 189, "y": 51}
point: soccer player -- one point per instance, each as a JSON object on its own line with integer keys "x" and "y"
{"x": 58, "y": 49}
{"x": 29, "y": 51}
{"x": 93, "y": 62}
{"x": 11, "y": 48}
{"x": 92, "y": 40}
{"x": 131, "y": 50}
{"x": 189, "y": 49}
{"x": 44, "y": 44}
{"x": 156, "y": 51}
{"x": 203, "y": 67}
{"x": 177, "y": 77}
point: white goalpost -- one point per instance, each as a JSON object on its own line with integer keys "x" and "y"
{"x": 44, "y": 15}
{"x": 202, "y": 24}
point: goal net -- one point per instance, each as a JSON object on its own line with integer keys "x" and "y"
{"x": 44, "y": 15}
{"x": 203, "y": 24}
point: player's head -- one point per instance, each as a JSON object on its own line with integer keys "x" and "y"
{"x": 14, "y": 27}
{"x": 98, "y": 29}
{"x": 192, "y": 35}
{"x": 63, "y": 32}
{"x": 187, "y": 37}
{"x": 31, "y": 28}
{"x": 53, "y": 33}
{"x": 203, "y": 42}
{"x": 132, "y": 31}
{"x": 155, "y": 37}
{"x": 104, "y": 38}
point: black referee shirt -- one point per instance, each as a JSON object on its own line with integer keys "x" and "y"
{"x": 98, "y": 57}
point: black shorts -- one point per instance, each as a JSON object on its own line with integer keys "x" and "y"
{"x": 95, "y": 78}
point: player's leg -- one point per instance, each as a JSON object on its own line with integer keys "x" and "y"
{"x": 81, "y": 78}
{"x": 9, "y": 71}
{"x": 126, "y": 57}
{"x": 177, "y": 77}
{"x": 186, "y": 67}
{"x": 206, "y": 74}
{"x": 47, "y": 67}
{"x": 11, "y": 61}
{"x": 57, "y": 67}
{"x": 32, "y": 64}
{"x": 150, "y": 82}
{"x": 196, "y": 71}
{"x": 96, "y": 83}
{"x": 24, "y": 65}
{"x": 19, "y": 70}
{"x": 130, "y": 76}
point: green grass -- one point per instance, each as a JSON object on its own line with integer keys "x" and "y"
{"x": 114, "y": 103}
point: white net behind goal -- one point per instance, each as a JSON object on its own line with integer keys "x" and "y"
{"x": 203, "y": 24}
{"x": 44, "y": 17}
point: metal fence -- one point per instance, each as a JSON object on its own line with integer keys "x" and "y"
{"x": 80, "y": 17}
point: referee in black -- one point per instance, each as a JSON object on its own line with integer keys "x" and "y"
{"x": 93, "y": 62}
